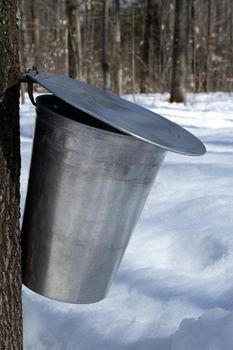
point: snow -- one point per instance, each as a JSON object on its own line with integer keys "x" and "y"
{"x": 174, "y": 288}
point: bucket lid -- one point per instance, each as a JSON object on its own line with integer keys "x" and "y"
{"x": 119, "y": 113}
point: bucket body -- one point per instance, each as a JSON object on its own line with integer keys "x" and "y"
{"x": 87, "y": 187}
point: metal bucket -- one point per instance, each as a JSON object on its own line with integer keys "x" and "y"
{"x": 88, "y": 185}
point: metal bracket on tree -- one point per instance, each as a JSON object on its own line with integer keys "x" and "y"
{"x": 24, "y": 77}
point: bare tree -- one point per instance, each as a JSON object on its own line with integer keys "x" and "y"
{"x": 193, "y": 45}
{"x": 208, "y": 47}
{"x": 144, "y": 81}
{"x": 179, "y": 64}
{"x": 155, "y": 51}
{"x": 88, "y": 40}
{"x": 74, "y": 39}
{"x": 105, "y": 27}
{"x": 10, "y": 252}
{"x": 119, "y": 71}
{"x": 34, "y": 32}
{"x": 132, "y": 47}
{"x": 138, "y": 40}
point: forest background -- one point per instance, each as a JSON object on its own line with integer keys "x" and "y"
{"x": 128, "y": 46}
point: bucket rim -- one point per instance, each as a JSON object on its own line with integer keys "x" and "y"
{"x": 41, "y": 105}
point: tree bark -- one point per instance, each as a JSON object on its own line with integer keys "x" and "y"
{"x": 155, "y": 52}
{"x": 132, "y": 48}
{"x": 88, "y": 41}
{"x": 105, "y": 27}
{"x": 144, "y": 81}
{"x": 10, "y": 252}
{"x": 74, "y": 39}
{"x": 193, "y": 41}
{"x": 119, "y": 70}
{"x": 179, "y": 69}
{"x": 23, "y": 46}
{"x": 231, "y": 44}
{"x": 35, "y": 34}
{"x": 208, "y": 46}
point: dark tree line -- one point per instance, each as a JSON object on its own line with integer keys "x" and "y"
{"x": 126, "y": 46}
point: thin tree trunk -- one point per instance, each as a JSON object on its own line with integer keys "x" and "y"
{"x": 105, "y": 28}
{"x": 179, "y": 69}
{"x": 35, "y": 34}
{"x": 37, "y": 54}
{"x": 156, "y": 43}
{"x": 132, "y": 48}
{"x": 32, "y": 21}
{"x": 218, "y": 42}
{"x": 88, "y": 40}
{"x": 164, "y": 44}
{"x": 79, "y": 42}
{"x": 57, "y": 43}
{"x": 119, "y": 71}
{"x": 144, "y": 81}
{"x": 10, "y": 252}
{"x": 193, "y": 39}
{"x": 207, "y": 58}
{"x": 74, "y": 39}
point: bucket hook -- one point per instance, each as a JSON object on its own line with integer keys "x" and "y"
{"x": 23, "y": 77}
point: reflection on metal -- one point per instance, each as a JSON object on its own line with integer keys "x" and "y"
{"x": 95, "y": 158}
{"x": 121, "y": 114}
{"x": 88, "y": 185}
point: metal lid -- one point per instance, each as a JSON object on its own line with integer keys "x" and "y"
{"x": 120, "y": 113}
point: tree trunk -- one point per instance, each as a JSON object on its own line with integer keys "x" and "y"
{"x": 105, "y": 65}
{"x": 179, "y": 69}
{"x": 22, "y": 46}
{"x": 88, "y": 41}
{"x": 193, "y": 42}
{"x": 119, "y": 71}
{"x": 35, "y": 34}
{"x": 74, "y": 39}
{"x": 208, "y": 39}
{"x": 155, "y": 51}
{"x": 231, "y": 44}
{"x": 132, "y": 49}
{"x": 144, "y": 81}
{"x": 10, "y": 252}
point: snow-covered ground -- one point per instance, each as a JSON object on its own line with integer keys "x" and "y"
{"x": 174, "y": 288}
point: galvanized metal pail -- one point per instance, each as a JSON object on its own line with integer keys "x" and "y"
{"x": 88, "y": 185}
